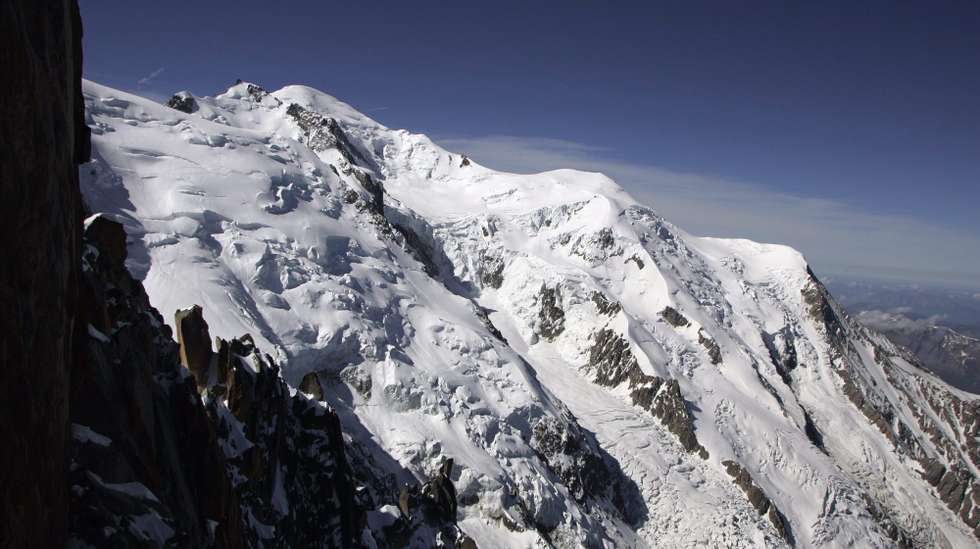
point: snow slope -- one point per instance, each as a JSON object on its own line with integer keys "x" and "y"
{"x": 601, "y": 377}
{"x": 953, "y": 356}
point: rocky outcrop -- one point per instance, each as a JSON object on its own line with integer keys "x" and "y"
{"x": 613, "y": 363}
{"x": 194, "y": 341}
{"x": 419, "y": 248}
{"x": 950, "y": 423}
{"x": 584, "y": 468}
{"x": 710, "y": 345}
{"x": 956, "y": 486}
{"x": 429, "y": 509}
{"x": 44, "y": 137}
{"x": 322, "y": 132}
{"x": 945, "y": 466}
{"x": 285, "y": 454}
{"x": 375, "y": 190}
{"x": 819, "y": 306}
{"x": 442, "y": 493}
{"x": 253, "y": 91}
{"x": 493, "y": 273}
{"x": 311, "y": 386}
{"x": 566, "y": 451}
{"x": 674, "y": 318}
{"x": 782, "y": 352}
{"x": 184, "y": 102}
{"x": 604, "y": 305}
{"x": 901, "y": 538}
{"x": 669, "y": 406}
{"x": 551, "y": 317}
{"x": 595, "y": 248}
{"x": 762, "y": 504}
{"x": 145, "y": 463}
{"x": 179, "y": 445}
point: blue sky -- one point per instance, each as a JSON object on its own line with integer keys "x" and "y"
{"x": 849, "y": 131}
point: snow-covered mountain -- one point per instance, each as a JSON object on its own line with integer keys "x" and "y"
{"x": 953, "y": 356}
{"x": 599, "y": 376}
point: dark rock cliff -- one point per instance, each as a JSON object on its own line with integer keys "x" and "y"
{"x": 44, "y": 137}
{"x": 145, "y": 464}
{"x": 950, "y": 451}
{"x": 613, "y": 364}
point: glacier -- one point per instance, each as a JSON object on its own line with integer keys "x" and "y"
{"x": 600, "y": 377}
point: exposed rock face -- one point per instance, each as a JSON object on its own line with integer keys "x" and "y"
{"x": 285, "y": 455}
{"x": 184, "y": 102}
{"x": 442, "y": 492}
{"x": 674, "y": 318}
{"x": 376, "y": 191}
{"x": 194, "y": 341}
{"x": 604, "y": 305}
{"x": 820, "y": 308}
{"x": 952, "y": 355}
{"x": 951, "y": 423}
{"x": 322, "y": 133}
{"x": 584, "y": 468}
{"x": 227, "y": 459}
{"x": 419, "y": 248}
{"x": 551, "y": 317}
{"x": 669, "y": 406}
{"x": 247, "y": 463}
{"x": 782, "y": 353}
{"x": 758, "y": 499}
{"x": 311, "y": 386}
{"x": 612, "y": 360}
{"x": 613, "y": 363}
{"x": 710, "y": 345}
{"x": 44, "y": 137}
{"x": 493, "y": 271}
{"x": 257, "y": 92}
{"x": 251, "y": 460}
{"x": 145, "y": 462}
{"x": 958, "y": 488}
{"x": 430, "y": 509}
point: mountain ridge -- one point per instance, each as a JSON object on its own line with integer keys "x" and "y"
{"x": 453, "y": 311}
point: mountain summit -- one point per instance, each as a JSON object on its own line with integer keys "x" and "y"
{"x": 591, "y": 374}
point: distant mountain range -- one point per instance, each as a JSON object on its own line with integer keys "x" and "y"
{"x": 957, "y": 308}
{"x": 940, "y": 326}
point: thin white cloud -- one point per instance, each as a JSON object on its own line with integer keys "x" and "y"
{"x": 836, "y": 237}
{"x": 149, "y": 78}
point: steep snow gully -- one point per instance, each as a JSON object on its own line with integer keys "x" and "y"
{"x": 598, "y": 376}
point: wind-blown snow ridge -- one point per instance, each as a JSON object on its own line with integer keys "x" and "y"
{"x": 601, "y": 376}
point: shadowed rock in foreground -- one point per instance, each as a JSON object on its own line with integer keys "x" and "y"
{"x": 176, "y": 444}
{"x": 44, "y": 137}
